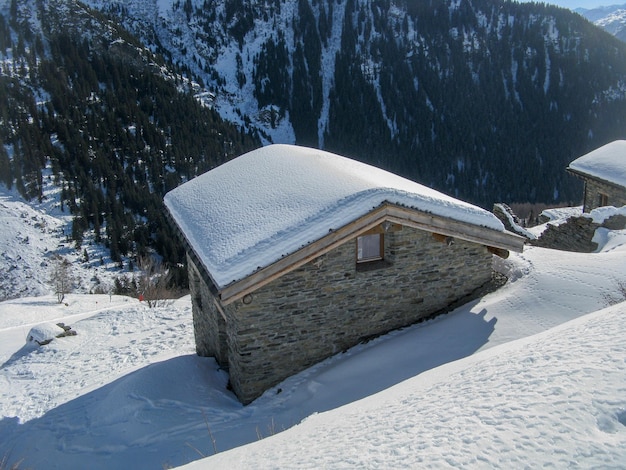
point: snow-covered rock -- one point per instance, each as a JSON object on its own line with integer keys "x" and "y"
{"x": 44, "y": 333}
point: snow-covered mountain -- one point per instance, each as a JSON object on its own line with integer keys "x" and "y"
{"x": 84, "y": 106}
{"x": 441, "y": 93}
{"x": 484, "y": 100}
{"x": 610, "y": 18}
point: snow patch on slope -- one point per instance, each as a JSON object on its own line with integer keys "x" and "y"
{"x": 557, "y": 398}
{"x": 34, "y": 235}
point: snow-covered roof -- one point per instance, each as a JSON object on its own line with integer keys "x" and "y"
{"x": 269, "y": 203}
{"x": 607, "y": 163}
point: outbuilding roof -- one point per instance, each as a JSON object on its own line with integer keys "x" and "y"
{"x": 607, "y": 163}
{"x": 270, "y": 203}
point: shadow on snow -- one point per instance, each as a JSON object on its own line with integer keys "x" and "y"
{"x": 178, "y": 410}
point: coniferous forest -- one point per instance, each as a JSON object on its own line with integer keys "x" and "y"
{"x": 486, "y": 100}
{"x": 114, "y": 133}
{"x": 501, "y": 112}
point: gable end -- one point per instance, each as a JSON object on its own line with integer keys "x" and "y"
{"x": 498, "y": 242}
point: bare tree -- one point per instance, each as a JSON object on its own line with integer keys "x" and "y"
{"x": 61, "y": 278}
{"x": 153, "y": 282}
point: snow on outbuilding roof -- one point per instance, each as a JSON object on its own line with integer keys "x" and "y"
{"x": 607, "y": 163}
{"x": 252, "y": 211}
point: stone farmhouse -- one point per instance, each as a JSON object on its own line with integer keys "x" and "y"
{"x": 297, "y": 254}
{"x": 604, "y": 173}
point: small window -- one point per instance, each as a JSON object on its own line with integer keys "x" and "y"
{"x": 369, "y": 247}
{"x": 603, "y": 200}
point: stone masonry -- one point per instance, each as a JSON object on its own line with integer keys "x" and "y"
{"x": 209, "y": 325}
{"x": 576, "y": 233}
{"x": 331, "y": 304}
{"x": 615, "y": 195}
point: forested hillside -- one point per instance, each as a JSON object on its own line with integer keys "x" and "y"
{"x": 492, "y": 106}
{"x": 83, "y": 103}
{"x": 488, "y": 100}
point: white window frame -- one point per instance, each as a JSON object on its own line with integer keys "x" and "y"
{"x": 370, "y": 247}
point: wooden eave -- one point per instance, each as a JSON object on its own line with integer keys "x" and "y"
{"x": 586, "y": 176}
{"x": 498, "y": 242}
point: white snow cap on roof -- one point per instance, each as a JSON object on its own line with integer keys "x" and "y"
{"x": 250, "y": 212}
{"x": 607, "y": 163}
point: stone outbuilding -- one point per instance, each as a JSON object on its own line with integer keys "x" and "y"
{"x": 604, "y": 173}
{"x": 297, "y": 254}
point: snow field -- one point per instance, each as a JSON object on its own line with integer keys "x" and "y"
{"x": 557, "y": 399}
{"x": 527, "y": 375}
{"x": 111, "y": 341}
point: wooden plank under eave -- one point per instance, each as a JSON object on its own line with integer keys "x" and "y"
{"x": 456, "y": 229}
{"x": 504, "y": 254}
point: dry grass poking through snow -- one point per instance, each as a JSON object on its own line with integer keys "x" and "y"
{"x": 618, "y": 296}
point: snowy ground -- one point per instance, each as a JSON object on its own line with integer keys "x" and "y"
{"x": 553, "y": 400}
{"x": 33, "y": 235}
{"x": 532, "y": 374}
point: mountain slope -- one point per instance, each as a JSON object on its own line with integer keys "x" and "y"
{"x": 554, "y": 399}
{"x": 487, "y": 100}
{"x": 614, "y": 23}
{"x": 610, "y": 18}
{"x": 116, "y": 126}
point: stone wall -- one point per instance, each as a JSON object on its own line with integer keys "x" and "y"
{"x": 330, "y": 304}
{"x": 510, "y": 221}
{"x": 576, "y": 233}
{"x": 616, "y": 195}
{"x": 209, "y": 325}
